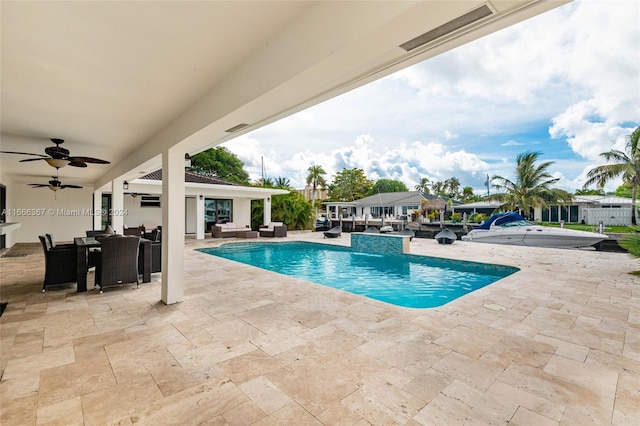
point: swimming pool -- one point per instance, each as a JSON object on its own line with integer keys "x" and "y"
{"x": 405, "y": 280}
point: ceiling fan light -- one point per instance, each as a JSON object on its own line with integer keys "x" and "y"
{"x": 53, "y": 188}
{"x": 57, "y": 162}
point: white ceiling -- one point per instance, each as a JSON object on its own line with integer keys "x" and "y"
{"x": 124, "y": 81}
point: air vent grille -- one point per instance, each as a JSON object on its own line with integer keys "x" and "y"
{"x": 449, "y": 27}
{"x": 236, "y": 128}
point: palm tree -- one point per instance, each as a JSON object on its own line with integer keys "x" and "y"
{"x": 282, "y": 182}
{"x": 532, "y": 186}
{"x": 468, "y": 194}
{"x": 265, "y": 182}
{"x": 625, "y": 164}
{"x": 423, "y": 185}
{"x": 315, "y": 178}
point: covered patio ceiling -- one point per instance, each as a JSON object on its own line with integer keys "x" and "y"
{"x": 125, "y": 81}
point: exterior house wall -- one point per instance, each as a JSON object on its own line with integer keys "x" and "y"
{"x": 321, "y": 194}
{"x": 66, "y": 213}
{"x": 190, "y": 217}
{"x": 137, "y": 215}
{"x": 242, "y": 212}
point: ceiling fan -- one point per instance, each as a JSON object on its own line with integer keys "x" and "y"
{"x": 135, "y": 195}
{"x": 54, "y": 185}
{"x": 59, "y": 157}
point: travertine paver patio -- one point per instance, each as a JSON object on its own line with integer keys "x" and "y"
{"x": 556, "y": 343}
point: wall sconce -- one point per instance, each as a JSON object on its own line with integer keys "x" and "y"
{"x": 187, "y": 161}
{"x": 125, "y": 185}
{"x": 201, "y": 197}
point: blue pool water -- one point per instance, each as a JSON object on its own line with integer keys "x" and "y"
{"x": 404, "y": 280}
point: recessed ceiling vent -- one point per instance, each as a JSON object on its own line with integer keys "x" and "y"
{"x": 449, "y": 27}
{"x": 236, "y": 128}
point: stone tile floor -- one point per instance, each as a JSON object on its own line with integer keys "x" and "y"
{"x": 556, "y": 343}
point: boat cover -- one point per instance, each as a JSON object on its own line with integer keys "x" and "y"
{"x": 500, "y": 219}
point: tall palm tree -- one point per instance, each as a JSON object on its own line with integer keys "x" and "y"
{"x": 625, "y": 164}
{"x": 315, "y": 178}
{"x": 423, "y": 185}
{"x": 532, "y": 186}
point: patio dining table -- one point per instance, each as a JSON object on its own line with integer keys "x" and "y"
{"x": 83, "y": 244}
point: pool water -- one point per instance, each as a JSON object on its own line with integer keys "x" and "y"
{"x": 405, "y": 280}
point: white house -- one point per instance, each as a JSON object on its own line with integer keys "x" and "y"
{"x": 591, "y": 210}
{"x": 587, "y": 209}
{"x": 208, "y": 200}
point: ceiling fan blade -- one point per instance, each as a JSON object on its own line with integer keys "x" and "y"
{"x": 88, "y": 160}
{"x": 24, "y": 153}
{"x": 37, "y": 185}
{"x": 32, "y": 159}
{"x": 69, "y": 186}
{"x": 76, "y": 163}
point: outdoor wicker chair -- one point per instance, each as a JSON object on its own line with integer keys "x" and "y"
{"x": 118, "y": 261}
{"x": 156, "y": 256}
{"x": 60, "y": 265}
{"x": 52, "y": 242}
{"x": 137, "y": 231}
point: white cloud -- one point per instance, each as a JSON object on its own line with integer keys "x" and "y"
{"x": 512, "y": 143}
{"x": 405, "y": 162}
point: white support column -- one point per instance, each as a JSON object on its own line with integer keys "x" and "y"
{"x": 173, "y": 220}
{"x": 267, "y": 211}
{"x": 97, "y": 209}
{"x": 200, "y": 217}
{"x": 117, "y": 206}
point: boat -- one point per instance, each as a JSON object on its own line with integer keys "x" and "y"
{"x": 446, "y": 236}
{"x": 511, "y": 228}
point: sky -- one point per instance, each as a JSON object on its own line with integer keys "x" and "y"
{"x": 565, "y": 83}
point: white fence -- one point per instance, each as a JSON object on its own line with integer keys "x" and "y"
{"x": 610, "y": 217}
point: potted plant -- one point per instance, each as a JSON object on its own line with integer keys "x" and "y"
{"x": 455, "y": 217}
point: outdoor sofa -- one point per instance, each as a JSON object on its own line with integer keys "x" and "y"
{"x": 225, "y": 230}
{"x": 273, "y": 229}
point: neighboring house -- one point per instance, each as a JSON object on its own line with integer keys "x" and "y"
{"x": 208, "y": 199}
{"x": 321, "y": 194}
{"x": 484, "y": 207}
{"x": 591, "y": 210}
{"x": 587, "y": 209}
{"x": 392, "y": 205}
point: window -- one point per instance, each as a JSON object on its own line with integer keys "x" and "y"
{"x": 217, "y": 211}
{"x": 405, "y": 209}
{"x": 573, "y": 214}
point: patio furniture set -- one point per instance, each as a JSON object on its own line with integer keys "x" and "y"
{"x": 121, "y": 259}
{"x": 230, "y": 230}
{"x": 117, "y": 259}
